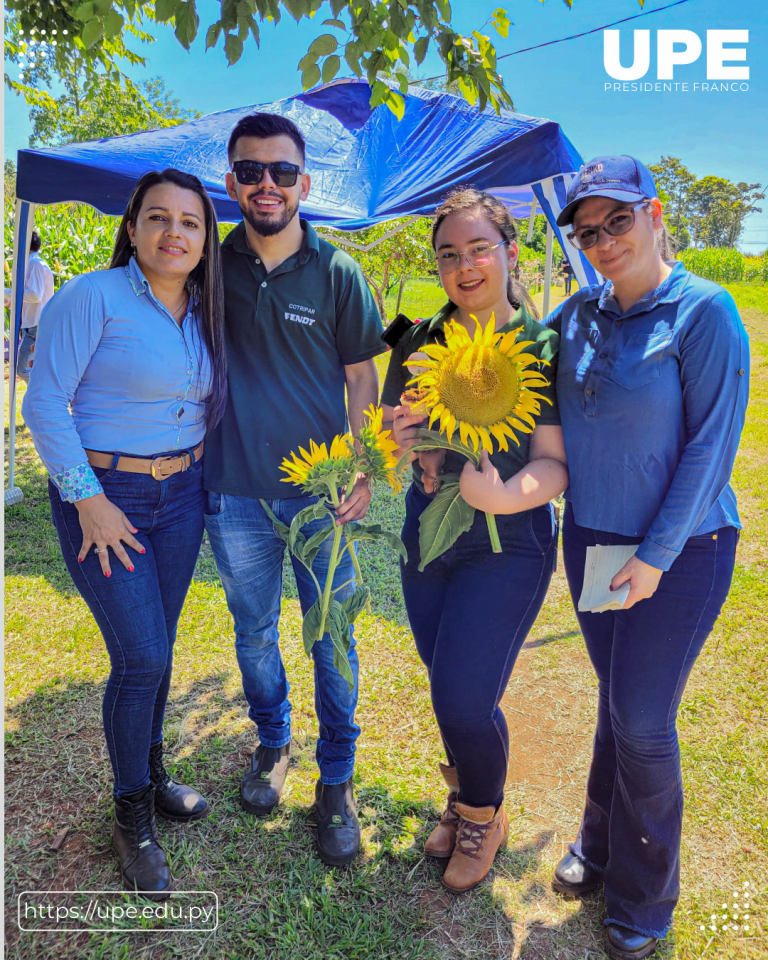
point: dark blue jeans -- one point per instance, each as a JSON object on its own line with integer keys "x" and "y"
{"x": 249, "y": 557}
{"x": 137, "y": 612}
{"x": 632, "y": 820}
{"x": 470, "y": 612}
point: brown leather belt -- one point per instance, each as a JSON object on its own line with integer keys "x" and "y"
{"x": 160, "y": 468}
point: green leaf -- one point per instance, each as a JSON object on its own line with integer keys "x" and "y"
{"x": 442, "y": 523}
{"x": 254, "y": 29}
{"x": 310, "y": 77}
{"x": 379, "y": 93}
{"x": 501, "y": 21}
{"x": 280, "y": 528}
{"x": 359, "y": 531}
{"x": 315, "y": 511}
{"x": 113, "y": 24}
{"x": 338, "y": 627}
{"x": 165, "y": 9}
{"x": 352, "y": 56}
{"x": 403, "y": 81}
{"x": 233, "y": 48}
{"x": 310, "y": 627}
{"x": 420, "y": 49}
{"x": 211, "y": 39}
{"x": 84, "y": 12}
{"x": 445, "y": 9}
{"x": 323, "y": 45}
{"x": 339, "y": 24}
{"x": 101, "y": 7}
{"x": 310, "y": 548}
{"x": 338, "y": 5}
{"x": 91, "y": 33}
{"x": 297, "y": 8}
{"x": 307, "y": 61}
{"x": 396, "y": 104}
{"x": 187, "y": 23}
{"x": 331, "y": 68}
{"x": 353, "y": 605}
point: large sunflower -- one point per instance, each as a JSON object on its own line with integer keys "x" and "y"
{"x": 377, "y": 449}
{"x": 481, "y": 385}
{"x": 319, "y": 466}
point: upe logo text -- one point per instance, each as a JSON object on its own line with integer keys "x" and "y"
{"x": 675, "y": 48}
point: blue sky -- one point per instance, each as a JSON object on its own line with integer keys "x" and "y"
{"x": 720, "y": 133}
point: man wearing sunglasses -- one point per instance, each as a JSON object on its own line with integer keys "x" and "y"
{"x": 302, "y": 328}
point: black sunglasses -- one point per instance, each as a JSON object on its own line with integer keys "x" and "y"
{"x": 283, "y": 174}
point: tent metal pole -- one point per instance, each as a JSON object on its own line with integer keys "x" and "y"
{"x": 531, "y": 218}
{"x": 548, "y": 266}
{"x": 364, "y": 247}
{"x": 22, "y": 234}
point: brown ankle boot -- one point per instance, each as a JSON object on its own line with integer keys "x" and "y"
{"x": 442, "y": 840}
{"x": 481, "y": 831}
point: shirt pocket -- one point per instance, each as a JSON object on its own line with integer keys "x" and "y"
{"x": 639, "y": 363}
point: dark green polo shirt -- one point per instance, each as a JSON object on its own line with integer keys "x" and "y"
{"x": 289, "y": 333}
{"x": 546, "y": 344}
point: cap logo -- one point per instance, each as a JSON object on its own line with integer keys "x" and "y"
{"x": 588, "y": 173}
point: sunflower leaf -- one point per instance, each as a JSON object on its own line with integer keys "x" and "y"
{"x": 353, "y": 605}
{"x": 442, "y": 523}
{"x": 309, "y": 549}
{"x": 280, "y": 528}
{"x": 374, "y": 531}
{"x": 310, "y": 628}
{"x": 313, "y": 512}
{"x": 338, "y": 627}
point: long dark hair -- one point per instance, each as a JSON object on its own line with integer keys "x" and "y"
{"x": 205, "y": 283}
{"x": 469, "y": 198}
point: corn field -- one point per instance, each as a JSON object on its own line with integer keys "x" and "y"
{"x": 725, "y": 266}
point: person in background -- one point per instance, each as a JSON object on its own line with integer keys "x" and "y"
{"x": 567, "y": 271}
{"x": 38, "y": 290}
{"x": 652, "y": 385}
{"x": 129, "y": 373}
{"x": 302, "y": 330}
{"x": 470, "y": 610}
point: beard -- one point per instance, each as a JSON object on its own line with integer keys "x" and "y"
{"x": 267, "y": 224}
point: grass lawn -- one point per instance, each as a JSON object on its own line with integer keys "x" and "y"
{"x": 277, "y": 900}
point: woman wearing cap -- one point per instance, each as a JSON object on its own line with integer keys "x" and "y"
{"x": 652, "y": 387}
{"x": 136, "y": 354}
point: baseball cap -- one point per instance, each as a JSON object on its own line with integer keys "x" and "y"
{"x": 619, "y": 178}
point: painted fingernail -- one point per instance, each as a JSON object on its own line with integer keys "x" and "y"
{"x": 130, "y": 569}
{"x": 610, "y": 587}
{"x": 79, "y": 559}
{"x": 142, "y": 551}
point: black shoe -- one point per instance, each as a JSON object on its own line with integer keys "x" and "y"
{"x": 263, "y": 783}
{"x": 624, "y": 944}
{"x": 173, "y": 801}
{"x": 143, "y": 864}
{"x": 574, "y": 878}
{"x": 338, "y": 830}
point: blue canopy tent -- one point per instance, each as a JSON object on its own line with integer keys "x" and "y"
{"x": 366, "y": 167}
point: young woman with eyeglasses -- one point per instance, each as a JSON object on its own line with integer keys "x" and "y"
{"x": 471, "y": 609}
{"x": 652, "y": 387}
{"x": 129, "y": 371}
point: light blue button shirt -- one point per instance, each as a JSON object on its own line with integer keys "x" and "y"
{"x": 113, "y": 371}
{"x": 652, "y": 403}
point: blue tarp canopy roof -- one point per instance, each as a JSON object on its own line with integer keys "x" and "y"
{"x": 366, "y": 166}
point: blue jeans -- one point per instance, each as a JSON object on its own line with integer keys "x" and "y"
{"x": 632, "y": 820}
{"x": 137, "y": 612}
{"x": 25, "y": 353}
{"x": 470, "y": 612}
{"x": 249, "y": 557}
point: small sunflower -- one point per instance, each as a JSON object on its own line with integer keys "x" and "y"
{"x": 377, "y": 449}
{"x": 320, "y": 467}
{"x": 482, "y": 385}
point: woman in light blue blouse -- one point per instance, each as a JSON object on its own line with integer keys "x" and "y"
{"x": 652, "y": 387}
{"x": 129, "y": 372}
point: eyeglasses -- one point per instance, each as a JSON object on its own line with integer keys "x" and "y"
{"x": 478, "y": 255}
{"x": 615, "y": 224}
{"x": 283, "y": 174}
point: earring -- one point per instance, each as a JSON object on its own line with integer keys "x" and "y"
{"x": 202, "y": 257}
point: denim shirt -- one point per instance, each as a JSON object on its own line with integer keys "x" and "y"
{"x": 652, "y": 403}
{"x": 135, "y": 381}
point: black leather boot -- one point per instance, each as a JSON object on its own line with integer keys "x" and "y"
{"x": 173, "y": 801}
{"x": 573, "y": 878}
{"x": 143, "y": 864}
{"x": 338, "y": 829}
{"x": 263, "y": 783}
{"x": 624, "y": 944}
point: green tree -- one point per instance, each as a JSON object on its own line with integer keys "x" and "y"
{"x": 675, "y": 180}
{"x": 105, "y": 109}
{"x": 718, "y": 209}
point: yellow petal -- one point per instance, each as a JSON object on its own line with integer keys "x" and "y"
{"x": 485, "y": 439}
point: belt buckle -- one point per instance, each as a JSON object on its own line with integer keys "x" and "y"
{"x": 158, "y": 468}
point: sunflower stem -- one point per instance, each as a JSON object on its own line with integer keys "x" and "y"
{"x": 490, "y": 519}
{"x": 328, "y": 589}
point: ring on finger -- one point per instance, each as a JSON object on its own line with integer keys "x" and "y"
{"x": 102, "y": 550}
